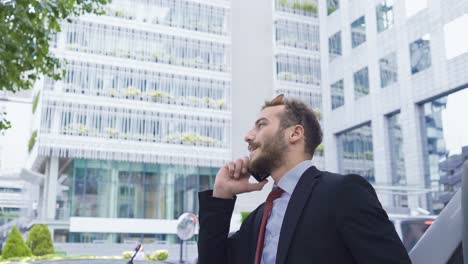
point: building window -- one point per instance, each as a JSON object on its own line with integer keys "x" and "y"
{"x": 420, "y": 54}
{"x": 396, "y": 149}
{"x": 302, "y": 7}
{"x": 297, "y": 35}
{"x": 361, "y": 83}
{"x": 297, "y": 69}
{"x": 356, "y": 154}
{"x": 334, "y": 46}
{"x": 384, "y": 13}
{"x": 388, "y": 70}
{"x": 332, "y": 5}
{"x": 358, "y": 32}
{"x": 337, "y": 94}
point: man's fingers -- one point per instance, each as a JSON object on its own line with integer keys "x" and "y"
{"x": 257, "y": 186}
{"x": 238, "y": 168}
{"x": 245, "y": 168}
{"x": 231, "y": 168}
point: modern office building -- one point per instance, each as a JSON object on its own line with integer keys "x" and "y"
{"x": 392, "y": 80}
{"x": 140, "y": 123}
{"x": 391, "y": 71}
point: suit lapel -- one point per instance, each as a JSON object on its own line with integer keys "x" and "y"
{"x": 293, "y": 212}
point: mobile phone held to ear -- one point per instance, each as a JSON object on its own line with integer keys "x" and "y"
{"x": 259, "y": 176}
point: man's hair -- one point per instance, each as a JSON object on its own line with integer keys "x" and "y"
{"x": 298, "y": 113}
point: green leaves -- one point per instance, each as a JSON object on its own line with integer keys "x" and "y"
{"x": 25, "y": 28}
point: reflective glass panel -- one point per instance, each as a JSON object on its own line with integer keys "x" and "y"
{"x": 356, "y": 152}
{"x": 337, "y": 94}
{"x": 384, "y": 13}
{"x": 420, "y": 54}
{"x": 334, "y": 46}
{"x": 388, "y": 70}
{"x": 361, "y": 83}
{"x": 396, "y": 149}
{"x": 332, "y": 5}
{"x": 358, "y": 32}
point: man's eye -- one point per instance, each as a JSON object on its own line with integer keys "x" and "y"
{"x": 261, "y": 124}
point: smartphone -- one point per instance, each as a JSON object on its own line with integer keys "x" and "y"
{"x": 259, "y": 176}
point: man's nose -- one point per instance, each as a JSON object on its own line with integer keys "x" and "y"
{"x": 249, "y": 136}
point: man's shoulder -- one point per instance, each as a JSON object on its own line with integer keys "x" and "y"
{"x": 332, "y": 178}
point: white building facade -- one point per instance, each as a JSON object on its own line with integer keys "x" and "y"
{"x": 387, "y": 72}
{"x": 140, "y": 123}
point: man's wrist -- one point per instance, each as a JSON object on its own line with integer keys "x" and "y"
{"x": 219, "y": 193}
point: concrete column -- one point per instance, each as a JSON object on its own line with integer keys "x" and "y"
{"x": 252, "y": 76}
{"x": 51, "y": 187}
{"x": 113, "y": 191}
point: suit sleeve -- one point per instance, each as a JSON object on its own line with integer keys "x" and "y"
{"x": 214, "y": 246}
{"x": 364, "y": 225}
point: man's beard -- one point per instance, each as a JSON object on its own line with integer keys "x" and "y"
{"x": 271, "y": 156}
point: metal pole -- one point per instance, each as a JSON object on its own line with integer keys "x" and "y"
{"x": 181, "y": 251}
{"x": 464, "y": 204}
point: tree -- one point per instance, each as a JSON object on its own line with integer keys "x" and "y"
{"x": 40, "y": 241}
{"x": 25, "y": 30}
{"x": 15, "y": 246}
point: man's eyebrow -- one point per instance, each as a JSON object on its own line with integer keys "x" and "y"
{"x": 260, "y": 119}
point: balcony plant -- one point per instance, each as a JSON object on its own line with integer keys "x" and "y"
{"x": 32, "y": 140}
{"x": 35, "y": 102}
{"x": 309, "y": 7}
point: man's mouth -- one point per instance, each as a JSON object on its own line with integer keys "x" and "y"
{"x": 252, "y": 148}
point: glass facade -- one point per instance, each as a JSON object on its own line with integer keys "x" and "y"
{"x": 119, "y": 82}
{"x": 298, "y": 7}
{"x": 297, "y": 35}
{"x": 396, "y": 149}
{"x": 332, "y": 5}
{"x": 356, "y": 154}
{"x": 358, "y": 32}
{"x": 388, "y": 70}
{"x": 334, "y": 46}
{"x": 384, "y": 14}
{"x": 435, "y": 143}
{"x": 114, "y": 189}
{"x": 188, "y": 15}
{"x": 337, "y": 94}
{"x": 420, "y": 54}
{"x": 361, "y": 83}
{"x": 298, "y": 69}
{"x": 115, "y": 41}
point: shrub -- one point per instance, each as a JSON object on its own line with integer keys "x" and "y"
{"x": 127, "y": 254}
{"x": 15, "y": 246}
{"x": 32, "y": 140}
{"x": 161, "y": 254}
{"x": 40, "y": 240}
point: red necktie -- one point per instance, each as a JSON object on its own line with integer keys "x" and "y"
{"x": 274, "y": 194}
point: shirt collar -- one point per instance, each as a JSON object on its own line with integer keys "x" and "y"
{"x": 289, "y": 181}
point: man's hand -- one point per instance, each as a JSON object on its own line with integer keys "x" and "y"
{"x": 233, "y": 179}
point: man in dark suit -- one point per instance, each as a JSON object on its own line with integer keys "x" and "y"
{"x": 310, "y": 216}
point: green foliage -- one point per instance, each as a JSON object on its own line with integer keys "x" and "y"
{"x": 309, "y": 7}
{"x": 40, "y": 240}
{"x": 32, "y": 140}
{"x": 35, "y": 101}
{"x": 161, "y": 254}
{"x": 25, "y": 29}
{"x": 15, "y": 246}
{"x": 244, "y": 216}
{"x": 127, "y": 255}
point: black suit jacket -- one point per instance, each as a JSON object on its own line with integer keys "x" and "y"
{"x": 330, "y": 218}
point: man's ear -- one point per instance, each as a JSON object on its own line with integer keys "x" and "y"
{"x": 296, "y": 133}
